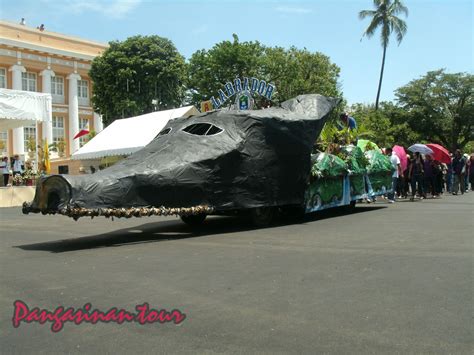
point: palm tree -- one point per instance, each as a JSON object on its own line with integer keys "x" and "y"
{"x": 385, "y": 16}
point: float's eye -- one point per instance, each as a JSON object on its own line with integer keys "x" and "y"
{"x": 202, "y": 129}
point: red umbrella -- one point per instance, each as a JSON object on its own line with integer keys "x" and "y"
{"x": 402, "y": 155}
{"x": 81, "y": 133}
{"x": 440, "y": 153}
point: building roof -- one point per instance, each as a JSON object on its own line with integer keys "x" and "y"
{"x": 21, "y": 36}
{"x": 128, "y": 135}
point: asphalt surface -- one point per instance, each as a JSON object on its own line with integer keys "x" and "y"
{"x": 385, "y": 279}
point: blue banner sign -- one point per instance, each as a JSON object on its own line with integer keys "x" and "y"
{"x": 250, "y": 85}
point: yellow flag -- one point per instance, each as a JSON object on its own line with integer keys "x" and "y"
{"x": 47, "y": 164}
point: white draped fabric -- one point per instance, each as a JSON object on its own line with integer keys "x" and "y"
{"x": 128, "y": 135}
{"x": 23, "y": 108}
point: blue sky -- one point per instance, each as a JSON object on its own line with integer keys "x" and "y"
{"x": 440, "y": 32}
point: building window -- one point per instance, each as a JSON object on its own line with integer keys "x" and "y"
{"x": 83, "y": 89}
{"x": 83, "y": 92}
{"x": 58, "y": 129}
{"x": 57, "y": 85}
{"x": 57, "y": 89}
{"x": 30, "y": 138}
{"x": 3, "y": 142}
{"x": 28, "y": 81}
{"x": 3, "y": 78}
{"x": 83, "y": 124}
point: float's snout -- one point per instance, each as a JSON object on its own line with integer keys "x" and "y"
{"x": 53, "y": 193}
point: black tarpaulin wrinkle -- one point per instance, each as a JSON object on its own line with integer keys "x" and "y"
{"x": 260, "y": 158}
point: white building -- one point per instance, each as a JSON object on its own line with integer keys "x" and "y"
{"x": 48, "y": 62}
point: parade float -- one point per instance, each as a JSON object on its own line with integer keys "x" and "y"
{"x": 350, "y": 176}
{"x": 228, "y": 161}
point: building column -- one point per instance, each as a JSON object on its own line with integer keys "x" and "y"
{"x": 98, "y": 124}
{"x": 7, "y": 143}
{"x": 46, "y": 75}
{"x": 18, "y": 133}
{"x": 73, "y": 112}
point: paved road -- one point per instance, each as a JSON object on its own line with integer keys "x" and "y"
{"x": 385, "y": 279}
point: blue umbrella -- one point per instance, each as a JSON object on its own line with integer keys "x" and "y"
{"x": 420, "y": 148}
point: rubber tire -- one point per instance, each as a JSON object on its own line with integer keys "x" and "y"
{"x": 194, "y": 220}
{"x": 262, "y": 216}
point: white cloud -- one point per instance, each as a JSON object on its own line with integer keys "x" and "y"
{"x": 293, "y": 10}
{"x": 112, "y": 8}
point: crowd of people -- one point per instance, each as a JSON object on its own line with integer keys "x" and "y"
{"x": 10, "y": 168}
{"x": 425, "y": 176}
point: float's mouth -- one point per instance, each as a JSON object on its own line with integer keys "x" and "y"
{"x": 52, "y": 195}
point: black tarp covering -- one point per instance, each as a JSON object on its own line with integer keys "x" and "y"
{"x": 260, "y": 158}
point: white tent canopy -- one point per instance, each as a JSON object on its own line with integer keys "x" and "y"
{"x": 128, "y": 135}
{"x": 23, "y": 108}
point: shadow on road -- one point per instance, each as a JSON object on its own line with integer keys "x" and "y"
{"x": 175, "y": 230}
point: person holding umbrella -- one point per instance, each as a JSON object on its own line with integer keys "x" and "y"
{"x": 402, "y": 155}
{"x": 416, "y": 176}
{"x": 440, "y": 155}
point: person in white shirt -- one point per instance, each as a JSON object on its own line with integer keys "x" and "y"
{"x": 5, "y": 170}
{"x": 17, "y": 166}
{"x": 395, "y": 160}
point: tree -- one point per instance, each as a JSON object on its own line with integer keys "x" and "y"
{"x": 210, "y": 69}
{"x": 386, "y": 126}
{"x": 440, "y": 106}
{"x": 385, "y": 16}
{"x": 130, "y": 74}
{"x": 293, "y": 71}
{"x": 299, "y": 71}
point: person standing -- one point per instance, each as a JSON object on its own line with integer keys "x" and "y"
{"x": 471, "y": 171}
{"x": 349, "y": 121}
{"x": 449, "y": 175}
{"x": 438, "y": 178}
{"x": 466, "y": 173}
{"x": 416, "y": 177}
{"x": 459, "y": 169}
{"x": 428, "y": 176}
{"x": 5, "y": 170}
{"x": 397, "y": 172}
{"x": 406, "y": 178}
{"x": 17, "y": 166}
